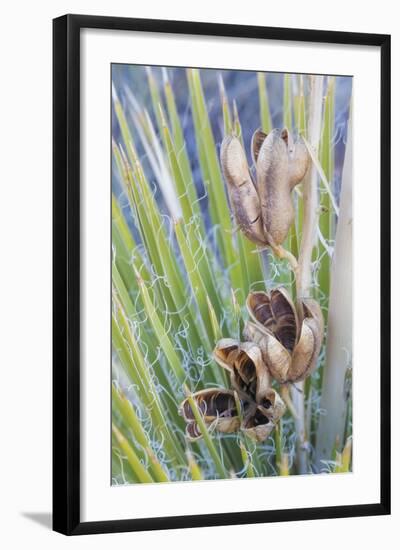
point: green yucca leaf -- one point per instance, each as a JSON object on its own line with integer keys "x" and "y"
{"x": 155, "y": 239}
{"x": 131, "y": 304}
{"x": 124, "y": 248}
{"x": 243, "y": 262}
{"x": 237, "y": 316}
{"x": 153, "y": 236}
{"x": 155, "y": 153}
{"x": 161, "y": 333}
{"x": 287, "y": 101}
{"x": 126, "y": 255}
{"x": 327, "y": 163}
{"x": 194, "y": 468}
{"x": 130, "y": 419}
{"x": 201, "y": 149}
{"x": 196, "y": 282}
{"x": 346, "y": 455}
{"x": 123, "y": 294}
{"x": 236, "y": 123}
{"x": 159, "y": 472}
{"x": 180, "y": 148}
{"x": 278, "y": 444}
{"x": 310, "y": 389}
{"x": 212, "y": 174}
{"x": 123, "y": 124}
{"x": 137, "y": 204}
{"x": 217, "y": 332}
{"x": 284, "y": 465}
{"x": 176, "y": 172}
{"x": 265, "y": 115}
{"x": 253, "y": 264}
{"x": 120, "y": 225}
{"x": 226, "y": 112}
{"x": 220, "y": 374}
{"x": 122, "y": 260}
{"x": 155, "y": 98}
{"x": 246, "y": 461}
{"x": 132, "y": 359}
{"x": 122, "y": 473}
{"x": 188, "y": 217}
{"x": 299, "y": 107}
{"x": 140, "y": 471}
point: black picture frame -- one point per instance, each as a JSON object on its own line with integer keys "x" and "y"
{"x": 66, "y": 273}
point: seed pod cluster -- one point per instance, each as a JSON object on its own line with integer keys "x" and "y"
{"x": 260, "y": 405}
{"x": 264, "y": 210}
{"x": 281, "y": 343}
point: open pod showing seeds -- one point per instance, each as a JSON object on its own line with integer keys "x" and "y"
{"x": 259, "y": 419}
{"x": 219, "y": 411}
{"x": 256, "y": 424}
{"x": 243, "y": 360}
{"x": 261, "y": 407}
{"x": 217, "y": 408}
{"x": 272, "y": 405}
{"x": 289, "y": 346}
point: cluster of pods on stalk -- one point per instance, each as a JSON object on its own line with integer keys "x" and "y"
{"x": 281, "y": 339}
{"x": 264, "y": 210}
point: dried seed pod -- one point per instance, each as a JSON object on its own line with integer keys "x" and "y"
{"x": 272, "y": 405}
{"x": 264, "y": 212}
{"x": 273, "y": 187}
{"x": 225, "y": 352}
{"x": 299, "y": 158}
{"x": 299, "y": 161}
{"x": 280, "y": 165}
{"x": 314, "y": 321}
{"x": 242, "y": 193}
{"x": 256, "y": 142}
{"x": 275, "y": 355}
{"x": 257, "y": 425}
{"x": 290, "y": 348}
{"x": 217, "y": 408}
{"x": 193, "y": 431}
{"x": 249, "y": 374}
{"x": 261, "y": 406}
{"x": 260, "y": 418}
{"x": 276, "y": 313}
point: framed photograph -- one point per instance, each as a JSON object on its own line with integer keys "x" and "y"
{"x": 221, "y": 274}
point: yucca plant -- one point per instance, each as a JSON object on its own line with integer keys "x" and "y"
{"x": 201, "y": 254}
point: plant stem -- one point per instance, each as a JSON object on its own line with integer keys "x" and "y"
{"x": 282, "y": 253}
{"x": 335, "y": 396}
{"x": 303, "y": 275}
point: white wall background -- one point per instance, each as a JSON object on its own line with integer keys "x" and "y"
{"x": 25, "y": 305}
